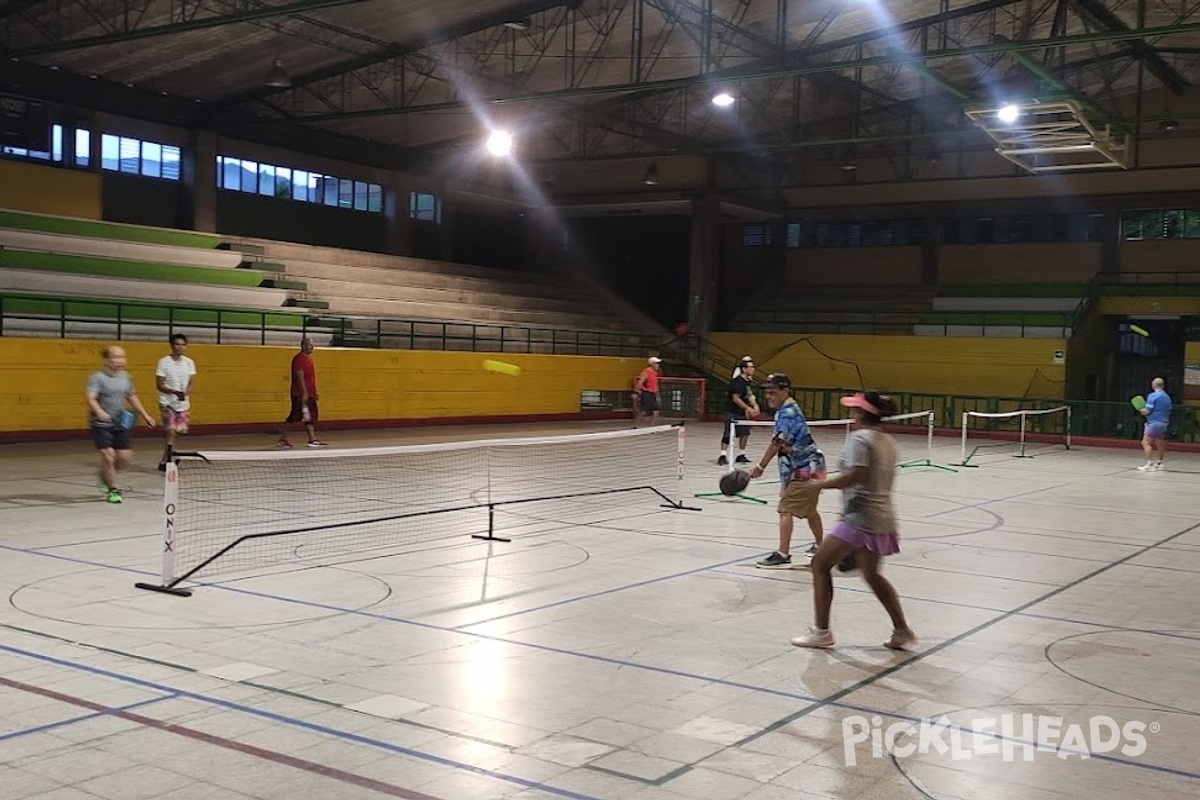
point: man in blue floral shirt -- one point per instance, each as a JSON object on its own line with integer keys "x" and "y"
{"x": 800, "y": 465}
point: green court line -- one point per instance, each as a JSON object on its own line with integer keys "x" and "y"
{"x": 922, "y": 654}
{"x": 97, "y": 229}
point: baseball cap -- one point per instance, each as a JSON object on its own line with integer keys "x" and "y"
{"x": 654, "y": 360}
{"x": 777, "y": 380}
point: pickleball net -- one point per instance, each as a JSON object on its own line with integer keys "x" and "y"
{"x": 997, "y": 433}
{"x": 232, "y": 511}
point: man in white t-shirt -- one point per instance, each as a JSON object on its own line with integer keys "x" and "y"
{"x": 175, "y": 375}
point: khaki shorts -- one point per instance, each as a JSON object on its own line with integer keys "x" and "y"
{"x": 799, "y": 498}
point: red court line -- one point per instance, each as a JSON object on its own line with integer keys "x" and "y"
{"x": 219, "y": 741}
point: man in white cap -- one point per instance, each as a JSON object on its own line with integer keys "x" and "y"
{"x": 646, "y": 389}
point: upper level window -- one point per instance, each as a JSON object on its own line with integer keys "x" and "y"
{"x": 137, "y": 157}
{"x": 424, "y": 207}
{"x": 285, "y": 183}
{"x": 867, "y": 233}
{"x": 756, "y": 235}
{"x": 1173, "y": 224}
{"x": 56, "y": 154}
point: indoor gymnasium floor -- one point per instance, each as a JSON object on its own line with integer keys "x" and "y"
{"x": 614, "y": 649}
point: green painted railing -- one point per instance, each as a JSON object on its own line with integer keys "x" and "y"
{"x": 123, "y": 320}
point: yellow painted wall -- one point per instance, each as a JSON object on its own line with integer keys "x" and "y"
{"x": 1052, "y": 262}
{"x": 42, "y": 383}
{"x": 928, "y": 364}
{"x": 1149, "y": 305}
{"x": 49, "y": 190}
{"x": 1191, "y": 358}
{"x": 885, "y": 266}
{"x": 1161, "y": 255}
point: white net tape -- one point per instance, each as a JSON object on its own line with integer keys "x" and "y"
{"x": 247, "y": 509}
{"x": 1021, "y": 418}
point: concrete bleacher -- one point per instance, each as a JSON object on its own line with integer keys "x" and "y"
{"x": 1000, "y": 311}
{"x": 133, "y": 281}
{"x": 71, "y": 284}
{"x": 100, "y": 229}
{"x": 356, "y": 283}
{"x": 62, "y": 276}
{"x": 835, "y": 309}
{"x": 61, "y": 244}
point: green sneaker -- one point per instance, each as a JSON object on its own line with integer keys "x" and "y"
{"x": 114, "y": 496}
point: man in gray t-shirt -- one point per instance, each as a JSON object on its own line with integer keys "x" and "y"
{"x": 108, "y": 391}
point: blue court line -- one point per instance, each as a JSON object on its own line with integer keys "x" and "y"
{"x": 833, "y": 701}
{"x": 85, "y": 718}
{"x": 298, "y": 723}
{"x": 601, "y": 593}
{"x": 982, "y": 503}
{"x": 516, "y": 642}
{"x": 360, "y": 739}
{"x": 923, "y": 654}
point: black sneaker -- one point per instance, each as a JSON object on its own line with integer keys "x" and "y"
{"x": 722, "y": 462}
{"x": 741, "y": 460}
{"x": 776, "y": 560}
{"x": 848, "y": 564}
{"x": 811, "y": 551}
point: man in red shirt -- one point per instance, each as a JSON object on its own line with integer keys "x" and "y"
{"x": 646, "y": 390}
{"x": 304, "y": 396}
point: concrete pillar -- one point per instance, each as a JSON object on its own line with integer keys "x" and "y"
{"x": 396, "y": 210}
{"x": 446, "y": 229}
{"x": 198, "y": 209}
{"x": 1110, "y": 244}
{"x": 931, "y": 250}
{"x": 705, "y": 263}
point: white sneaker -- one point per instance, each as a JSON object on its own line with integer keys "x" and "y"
{"x": 814, "y": 638}
{"x": 1147, "y": 467}
{"x": 1160, "y": 467}
{"x": 901, "y": 639}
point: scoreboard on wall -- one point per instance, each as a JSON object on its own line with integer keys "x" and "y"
{"x": 24, "y": 123}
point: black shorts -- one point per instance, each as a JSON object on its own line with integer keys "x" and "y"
{"x": 297, "y": 412}
{"x": 648, "y": 401}
{"x": 112, "y": 438}
{"x": 742, "y": 430}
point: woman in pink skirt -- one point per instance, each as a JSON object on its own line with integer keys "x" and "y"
{"x": 867, "y": 530}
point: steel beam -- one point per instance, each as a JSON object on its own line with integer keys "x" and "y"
{"x": 401, "y": 49}
{"x": 754, "y": 73}
{"x": 185, "y": 26}
{"x": 10, "y": 7}
{"x": 1054, "y": 81}
{"x": 1139, "y": 49}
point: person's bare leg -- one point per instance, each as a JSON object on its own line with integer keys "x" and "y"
{"x": 828, "y": 554}
{"x": 902, "y": 635}
{"x": 1161, "y": 446}
{"x": 786, "y": 525}
{"x": 122, "y": 461}
{"x": 170, "y": 436}
{"x": 108, "y": 467}
{"x": 1148, "y": 448}
{"x": 817, "y": 526}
